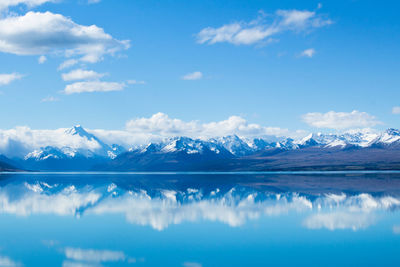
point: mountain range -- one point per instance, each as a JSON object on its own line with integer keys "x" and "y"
{"x": 86, "y": 152}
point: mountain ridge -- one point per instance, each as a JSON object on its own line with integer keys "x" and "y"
{"x": 316, "y": 151}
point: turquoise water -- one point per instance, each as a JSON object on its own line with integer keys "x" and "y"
{"x": 200, "y": 219}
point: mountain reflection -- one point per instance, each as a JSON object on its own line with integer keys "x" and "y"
{"x": 161, "y": 201}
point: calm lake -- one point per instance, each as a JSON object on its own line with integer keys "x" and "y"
{"x": 200, "y": 219}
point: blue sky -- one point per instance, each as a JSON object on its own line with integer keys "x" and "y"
{"x": 351, "y": 64}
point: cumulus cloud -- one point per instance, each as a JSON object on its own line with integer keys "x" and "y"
{"x": 20, "y": 141}
{"x": 396, "y": 110}
{"x": 6, "y": 79}
{"x": 308, "y": 53}
{"x": 93, "y": 86}
{"x": 37, "y": 33}
{"x": 197, "y": 75}
{"x": 161, "y": 124}
{"x": 340, "y": 120}
{"x": 80, "y": 74}
{"x": 247, "y": 33}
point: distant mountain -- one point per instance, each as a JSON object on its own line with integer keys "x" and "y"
{"x": 68, "y": 158}
{"x": 77, "y": 149}
{"x": 181, "y": 153}
{"x": 6, "y": 165}
{"x": 350, "y": 151}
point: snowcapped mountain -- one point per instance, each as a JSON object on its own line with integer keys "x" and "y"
{"x": 79, "y": 149}
{"x": 389, "y": 138}
{"x": 83, "y": 145}
{"x": 182, "y": 145}
{"x": 236, "y": 145}
{"x": 357, "y": 139}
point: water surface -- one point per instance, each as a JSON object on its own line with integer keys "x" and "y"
{"x": 199, "y": 219}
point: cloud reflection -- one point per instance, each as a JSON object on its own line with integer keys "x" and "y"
{"x": 164, "y": 207}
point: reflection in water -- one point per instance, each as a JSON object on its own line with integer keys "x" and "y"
{"x": 6, "y": 261}
{"x": 161, "y": 207}
{"x": 196, "y": 220}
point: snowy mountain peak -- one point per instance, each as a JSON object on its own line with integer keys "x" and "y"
{"x": 389, "y": 137}
{"x": 80, "y": 131}
{"x": 393, "y": 132}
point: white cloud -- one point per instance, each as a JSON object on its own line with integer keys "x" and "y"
{"x": 396, "y": 110}
{"x": 197, "y": 75}
{"x": 50, "y": 99}
{"x": 42, "y": 59}
{"x": 91, "y": 255}
{"x": 340, "y": 120}
{"x": 6, "y": 79}
{"x": 5, "y": 4}
{"x": 247, "y": 33}
{"x": 20, "y": 141}
{"x": 80, "y": 74}
{"x": 37, "y": 33}
{"x": 162, "y": 125}
{"x": 308, "y": 53}
{"x": 93, "y": 86}
{"x": 67, "y": 64}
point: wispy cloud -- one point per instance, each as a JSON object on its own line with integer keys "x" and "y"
{"x": 5, "y": 4}
{"x": 67, "y": 64}
{"x": 42, "y": 59}
{"x": 6, "y": 79}
{"x": 340, "y": 120}
{"x": 50, "y": 99}
{"x": 91, "y": 255}
{"x": 93, "y": 86}
{"x": 396, "y": 110}
{"x": 308, "y": 53}
{"x": 248, "y": 33}
{"x": 197, "y": 75}
{"x": 135, "y": 82}
{"x": 81, "y": 74}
